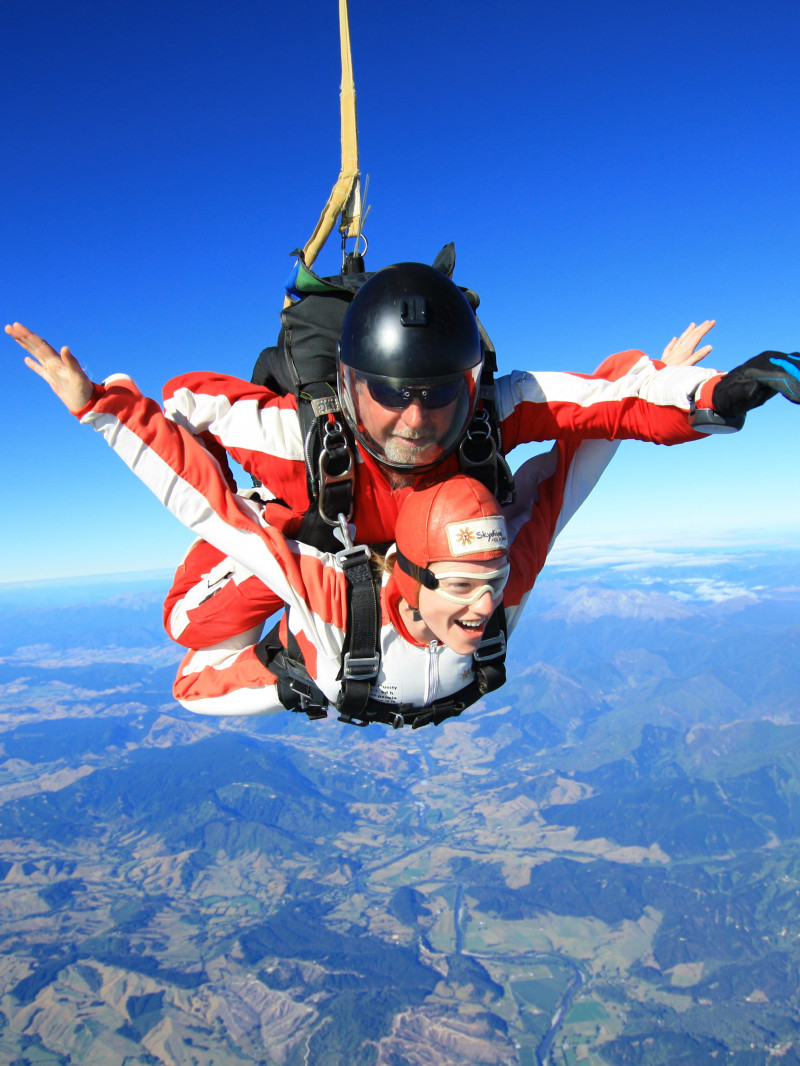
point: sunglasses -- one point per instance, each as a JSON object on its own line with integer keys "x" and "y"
{"x": 397, "y": 399}
{"x": 465, "y": 589}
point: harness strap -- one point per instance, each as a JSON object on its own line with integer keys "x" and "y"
{"x": 362, "y": 660}
{"x": 328, "y": 446}
{"x": 296, "y": 690}
{"x": 480, "y": 453}
{"x": 490, "y": 674}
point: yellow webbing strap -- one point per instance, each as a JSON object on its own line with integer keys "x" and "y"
{"x": 345, "y": 197}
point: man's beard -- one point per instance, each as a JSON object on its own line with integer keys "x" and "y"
{"x": 411, "y": 449}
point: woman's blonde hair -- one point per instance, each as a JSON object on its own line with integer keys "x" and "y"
{"x": 382, "y": 563}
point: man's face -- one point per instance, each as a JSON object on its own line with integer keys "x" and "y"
{"x": 411, "y": 435}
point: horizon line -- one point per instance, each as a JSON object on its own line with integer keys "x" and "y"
{"x": 573, "y": 547}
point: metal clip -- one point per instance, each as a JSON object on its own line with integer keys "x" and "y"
{"x": 344, "y": 532}
{"x": 480, "y": 426}
{"x": 348, "y": 720}
{"x": 490, "y": 649}
{"x": 334, "y": 449}
{"x": 351, "y": 554}
{"x": 478, "y": 447}
{"x": 360, "y": 669}
{"x": 355, "y": 555}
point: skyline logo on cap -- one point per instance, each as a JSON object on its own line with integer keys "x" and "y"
{"x": 477, "y": 535}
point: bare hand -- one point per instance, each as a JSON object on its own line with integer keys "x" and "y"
{"x": 683, "y": 350}
{"x": 62, "y": 371}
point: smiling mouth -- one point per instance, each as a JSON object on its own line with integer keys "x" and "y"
{"x": 472, "y": 627}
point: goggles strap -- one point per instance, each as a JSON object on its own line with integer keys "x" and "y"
{"x": 418, "y": 573}
{"x": 431, "y": 581}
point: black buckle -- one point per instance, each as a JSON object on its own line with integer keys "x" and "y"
{"x": 313, "y": 711}
{"x": 307, "y": 704}
{"x": 393, "y": 718}
{"x": 355, "y": 555}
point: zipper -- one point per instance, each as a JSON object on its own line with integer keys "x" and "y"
{"x": 432, "y": 674}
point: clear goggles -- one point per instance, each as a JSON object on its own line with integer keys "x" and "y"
{"x": 465, "y": 589}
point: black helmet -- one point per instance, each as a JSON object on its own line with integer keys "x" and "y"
{"x": 410, "y": 337}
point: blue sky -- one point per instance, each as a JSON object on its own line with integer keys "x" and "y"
{"x": 608, "y": 172}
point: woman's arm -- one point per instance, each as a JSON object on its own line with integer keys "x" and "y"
{"x": 257, "y": 428}
{"x": 188, "y": 481}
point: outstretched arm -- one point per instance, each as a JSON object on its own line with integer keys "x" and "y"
{"x": 188, "y": 481}
{"x": 557, "y": 483}
{"x": 61, "y": 370}
{"x": 628, "y": 396}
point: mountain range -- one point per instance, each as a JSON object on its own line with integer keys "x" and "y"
{"x": 598, "y": 864}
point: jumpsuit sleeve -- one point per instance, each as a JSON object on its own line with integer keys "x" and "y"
{"x": 212, "y": 596}
{"x": 628, "y": 397}
{"x": 187, "y": 480}
{"x": 256, "y": 427}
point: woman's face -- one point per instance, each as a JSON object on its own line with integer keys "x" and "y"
{"x": 461, "y": 627}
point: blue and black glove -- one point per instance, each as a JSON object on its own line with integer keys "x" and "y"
{"x": 757, "y": 381}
